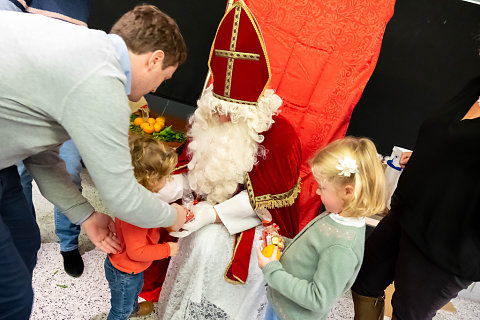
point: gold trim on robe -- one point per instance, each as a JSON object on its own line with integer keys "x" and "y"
{"x": 270, "y": 201}
{"x": 236, "y": 242}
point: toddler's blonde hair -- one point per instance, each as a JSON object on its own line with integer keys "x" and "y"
{"x": 368, "y": 183}
{"x": 151, "y": 159}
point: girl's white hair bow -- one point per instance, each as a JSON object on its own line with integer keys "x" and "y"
{"x": 347, "y": 166}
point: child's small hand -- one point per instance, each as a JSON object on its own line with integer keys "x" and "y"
{"x": 262, "y": 260}
{"x": 173, "y": 248}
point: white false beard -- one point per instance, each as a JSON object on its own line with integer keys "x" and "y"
{"x": 222, "y": 154}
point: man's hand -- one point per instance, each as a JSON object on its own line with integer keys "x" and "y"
{"x": 100, "y": 229}
{"x": 404, "y": 159}
{"x": 262, "y": 260}
{"x": 181, "y": 217}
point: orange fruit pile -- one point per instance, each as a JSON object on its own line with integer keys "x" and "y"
{"x": 151, "y": 125}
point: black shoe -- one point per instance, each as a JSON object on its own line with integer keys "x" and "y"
{"x": 72, "y": 263}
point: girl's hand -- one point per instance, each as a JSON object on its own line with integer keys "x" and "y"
{"x": 262, "y": 260}
{"x": 173, "y": 248}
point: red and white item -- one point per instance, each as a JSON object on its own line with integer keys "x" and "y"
{"x": 188, "y": 202}
{"x": 270, "y": 234}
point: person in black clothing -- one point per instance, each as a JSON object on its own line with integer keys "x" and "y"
{"x": 429, "y": 243}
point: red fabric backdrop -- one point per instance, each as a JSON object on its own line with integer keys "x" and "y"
{"x": 322, "y": 54}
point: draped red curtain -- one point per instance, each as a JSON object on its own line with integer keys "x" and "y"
{"x": 322, "y": 53}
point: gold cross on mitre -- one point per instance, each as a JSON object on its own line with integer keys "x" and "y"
{"x": 242, "y": 46}
{"x": 232, "y": 54}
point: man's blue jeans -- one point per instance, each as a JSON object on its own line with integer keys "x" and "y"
{"x": 19, "y": 243}
{"x": 124, "y": 289}
{"x": 66, "y": 231}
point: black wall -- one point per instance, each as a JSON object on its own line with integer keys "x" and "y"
{"x": 429, "y": 52}
{"x": 198, "y": 22}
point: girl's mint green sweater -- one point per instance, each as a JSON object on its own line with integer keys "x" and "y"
{"x": 317, "y": 267}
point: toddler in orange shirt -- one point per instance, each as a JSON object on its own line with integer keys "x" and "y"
{"x": 152, "y": 163}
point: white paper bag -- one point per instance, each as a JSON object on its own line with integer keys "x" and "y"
{"x": 393, "y": 172}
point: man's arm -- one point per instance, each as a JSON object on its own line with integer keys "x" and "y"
{"x": 96, "y": 115}
{"x": 56, "y": 185}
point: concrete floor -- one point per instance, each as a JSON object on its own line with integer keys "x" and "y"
{"x": 59, "y": 296}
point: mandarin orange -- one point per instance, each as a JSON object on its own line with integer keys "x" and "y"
{"x": 138, "y": 121}
{"x": 268, "y": 251}
{"x": 158, "y": 126}
{"x": 151, "y": 121}
{"x": 148, "y": 128}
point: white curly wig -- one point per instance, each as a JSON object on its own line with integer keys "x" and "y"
{"x": 222, "y": 152}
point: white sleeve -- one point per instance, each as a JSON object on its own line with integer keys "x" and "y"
{"x": 173, "y": 190}
{"x": 237, "y": 213}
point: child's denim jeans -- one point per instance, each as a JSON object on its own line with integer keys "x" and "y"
{"x": 270, "y": 314}
{"x": 124, "y": 288}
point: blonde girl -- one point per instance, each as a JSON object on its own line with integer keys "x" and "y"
{"x": 152, "y": 163}
{"x": 320, "y": 264}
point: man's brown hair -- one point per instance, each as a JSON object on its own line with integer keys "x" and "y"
{"x": 146, "y": 29}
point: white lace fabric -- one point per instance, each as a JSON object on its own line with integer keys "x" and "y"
{"x": 195, "y": 287}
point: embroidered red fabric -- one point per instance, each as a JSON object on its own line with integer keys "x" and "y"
{"x": 322, "y": 54}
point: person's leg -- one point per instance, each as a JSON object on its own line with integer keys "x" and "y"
{"x": 270, "y": 314}
{"x": 19, "y": 244}
{"x": 26, "y": 181}
{"x": 378, "y": 267}
{"x": 66, "y": 231}
{"x": 124, "y": 289}
{"x": 421, "y": 287}
{"x": 139, "y": 280}
{"x": 143, "y": 308}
